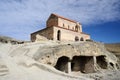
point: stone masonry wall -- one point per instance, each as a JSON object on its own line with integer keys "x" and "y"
{"x": 67, "y": 35}
{"x": 47, "y": 32}
{"x": 67, "y": 24}
{"x": 52, "y": 22}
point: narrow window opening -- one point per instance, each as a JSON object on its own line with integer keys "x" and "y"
{"x": 63, "y": 25}
{"x": 59, "y": 35}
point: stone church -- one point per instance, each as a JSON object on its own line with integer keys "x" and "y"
{"x": 61, "y": 29}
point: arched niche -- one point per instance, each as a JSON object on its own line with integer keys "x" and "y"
{"x": 62, "y": 64}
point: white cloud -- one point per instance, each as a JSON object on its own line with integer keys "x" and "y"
{"x": 25, "y": 16}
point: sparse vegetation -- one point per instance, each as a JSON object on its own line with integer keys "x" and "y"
{"x": 113, "y": 48}
{"x": 5, "y": 39}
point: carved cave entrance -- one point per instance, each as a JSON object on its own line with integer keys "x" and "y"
{"x": 62, "y": 64}
{"x": 83, "y": 64}
{"x": 101, "y": 62}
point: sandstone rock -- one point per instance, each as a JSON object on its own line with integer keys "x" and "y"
{"x": 40, "y": 38}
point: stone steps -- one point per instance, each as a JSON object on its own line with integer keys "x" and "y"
{"x": 3, "y": 70}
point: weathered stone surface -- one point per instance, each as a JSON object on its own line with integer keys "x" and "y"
{"x": 73, "y": 49}
{"x": 49, "y": 52}
{"x": 38, "y": 59}
{"x": 41, "y": 38}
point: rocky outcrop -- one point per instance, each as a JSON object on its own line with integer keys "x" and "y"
{"x": 40, "y": 38}
{"x": 50, "y": 54}
{"x": 5, "y": 39}
{"x": 38, "y": 59}
{"x": 60, "y": 53}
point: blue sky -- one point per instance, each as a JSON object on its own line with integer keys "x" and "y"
{"x": 100, "y": 18}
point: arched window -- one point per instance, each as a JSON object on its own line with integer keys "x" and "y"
{"x": 76, "y": 28}
{"x": 63, "y": 25}
{"x": 76, "y": 38}
{"x": 81, "y": 39}
{"x": 68, "y": 26}
{"x": 58, "y": 35}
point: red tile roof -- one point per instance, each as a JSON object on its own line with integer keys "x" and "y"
{"x": 63, "y": 18}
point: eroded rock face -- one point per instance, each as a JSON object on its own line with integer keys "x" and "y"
{"x": 91, "y": 56}
{"x": 17, "y": 61}
{"x": 40, "y": 38}
{"x": 85, "y": 57}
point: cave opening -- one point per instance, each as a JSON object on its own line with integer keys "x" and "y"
{"x": 101, "y": 62}
{"x": 83, "y": 64}
{"x": 62, "y": 64}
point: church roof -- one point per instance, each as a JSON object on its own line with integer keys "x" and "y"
{"x": 64, "y": 18}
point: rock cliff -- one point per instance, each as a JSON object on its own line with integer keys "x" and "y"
{"x": 38, "y": 59}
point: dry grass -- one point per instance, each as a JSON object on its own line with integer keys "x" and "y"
{"x": 114, "y": 48}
